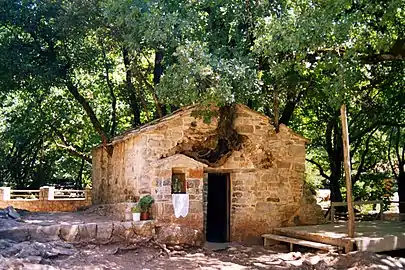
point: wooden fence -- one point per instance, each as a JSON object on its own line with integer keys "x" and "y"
{"x": 45, "y": 199}
{"x": 379, "y": 203}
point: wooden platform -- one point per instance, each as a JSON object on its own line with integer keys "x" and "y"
{"x": 299, "y": 242}
{"x": 374, "y": 236}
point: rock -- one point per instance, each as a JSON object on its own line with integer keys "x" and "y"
{"x": 87, "y": 231}
{"x": 310, "y": 212}
{"x": 290, "y": 256}
{"x": 133, "y": 231}
{"x": 5, "y": 243}
{"x": 144, "y": 228}
{"x": 16, "y": 234}
{"x": 12, "y": 250}
{"x": 174, "y": 234}
{"x": 3, "y": 214}
{"x": 314, "y": 260}
{"x": 104, "y": 231}
{"x": 69, "y": 233}
{"x": 56, "y": 251}
{"x": 11, "y": 212}
{"x": 45, "y": 233}
{"x": 33, "y": 259}
{"x": 322, "y": 265}
{"x": 30, "y": 250}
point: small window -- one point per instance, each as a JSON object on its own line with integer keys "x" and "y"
{"x": 178, "y": 183}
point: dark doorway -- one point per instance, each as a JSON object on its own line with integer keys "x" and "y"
{"x": 217, "y": 229}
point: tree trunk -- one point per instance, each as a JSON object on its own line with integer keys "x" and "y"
{"x": 133, "y": 100}
{"x": 157, "y": 74}
{"x": 89, "y": 111}
{"x": 289, "y": 108}
{"x": 401, "y": 191}
{"x": 335, "y": 194}
{"x": 112, "y": 94}
{"x": 276, "y": 109}
{"x": 335, "y": 155}
{"x": 79, "y": 184}
{"x": 218, "y": 147}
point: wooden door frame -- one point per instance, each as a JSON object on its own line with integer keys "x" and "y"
{"x": 228, "y": 201}
{"x": 228, "y": 206}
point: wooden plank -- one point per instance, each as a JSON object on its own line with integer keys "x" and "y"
{"x": 221, "y": 170}
{"x": 299, "y": 242}
{"x": 335, "y": 241}
{"x": 346, "y": 163}
{"x": 355, "y": 203}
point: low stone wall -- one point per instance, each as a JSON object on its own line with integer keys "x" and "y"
{"x": 69, "y": 205}
{"x": 101, "y": 232}
{"x": 46, "y": 201}
{"x": 106, "y": 232}
{"x": 117, "y": 211}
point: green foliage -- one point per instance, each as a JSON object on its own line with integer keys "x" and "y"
{"x": 145, "y": 203}
{"x": 136, "y": 209}
{"x": 76, "y": 73}
{"x": 200, "y": 77}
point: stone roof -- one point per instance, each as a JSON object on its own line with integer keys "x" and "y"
{"x": 184, "y": 110}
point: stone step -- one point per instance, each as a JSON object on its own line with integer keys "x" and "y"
{"x": 299, "y": 242}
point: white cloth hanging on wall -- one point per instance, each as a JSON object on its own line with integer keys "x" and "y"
{"x": 180, "y": 204}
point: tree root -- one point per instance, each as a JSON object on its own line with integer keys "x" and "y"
{"x": 215, "y": 149}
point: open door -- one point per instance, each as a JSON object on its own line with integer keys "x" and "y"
{"x": 218, "y": 205}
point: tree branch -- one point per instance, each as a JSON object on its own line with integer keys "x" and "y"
{"x": 67, "y": 146}
{"x": 363, "y": 157}
{"x": 321, "y": 171}
{"x": 112, "y": 94}
{"x": 75, "y": 152}
{"x": 397, "y": 146}
{"x": 89, "y": 111}
{"x": 152, "y": 89}
{"x": 384, "y": 57}
{"x": 132, "y": 90}
{"x": 389, "y": 154}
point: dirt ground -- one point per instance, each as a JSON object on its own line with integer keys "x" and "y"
{"x": 233, "y": 257}
{"x": 31, "y": 255}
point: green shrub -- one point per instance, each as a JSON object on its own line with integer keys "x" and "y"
{"x": 145, "y": 203}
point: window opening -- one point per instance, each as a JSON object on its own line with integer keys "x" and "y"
{"x": 178, "y": 183}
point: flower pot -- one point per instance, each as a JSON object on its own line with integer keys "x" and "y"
{"x": 136, "y": 216}
{"x": 144, "y": 215}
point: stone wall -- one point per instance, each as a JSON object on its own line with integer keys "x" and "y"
{"x": 161, "y": 176}
{"x": 266, "y": 174}
{"x": 125, "y": 175}
{"x": 45, "y": 203}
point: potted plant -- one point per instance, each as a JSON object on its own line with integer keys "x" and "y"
{"x": 136, "y": 212}
{"x": 145, "y": 203}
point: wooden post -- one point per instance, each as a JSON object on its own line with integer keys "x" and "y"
{"x": 346, "y": 163}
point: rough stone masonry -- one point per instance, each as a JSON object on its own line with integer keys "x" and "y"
{"x": 266, "y": 174}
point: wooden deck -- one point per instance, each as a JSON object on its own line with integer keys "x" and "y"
{"x": 374, "y": 236}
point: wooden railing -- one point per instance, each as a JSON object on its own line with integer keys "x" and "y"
{"x": 337, "y": 204}
{"x": 46, "y": 199}
{"x": 44, "y": 193}
{"x": 69, "y": 194}
{"x": 380, "y": 203}
{"x": 24, "y": 194}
